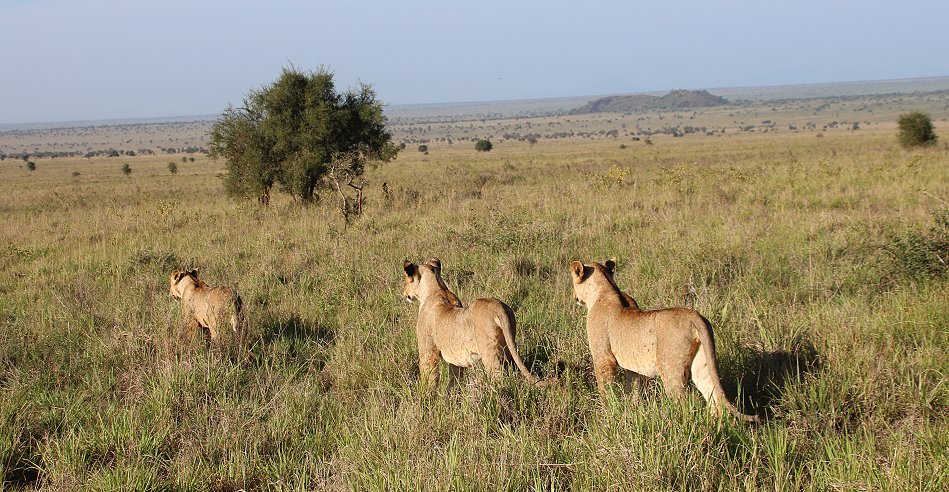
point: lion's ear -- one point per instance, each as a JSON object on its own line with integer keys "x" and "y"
{"x": 435, "y": 263}
{"x": 577, "y": 270}
{"x": 410, "y": 268}
{"x": 178, "y": 274}
{"x": 193, "y": 273}
{"x": 610, "y": 265}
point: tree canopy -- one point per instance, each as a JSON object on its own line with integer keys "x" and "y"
{"x": 300, "y": 134}
{"x": 483, "y": 145}
{"x": 916, "y": 130}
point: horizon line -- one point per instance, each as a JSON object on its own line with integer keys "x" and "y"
{"x": 31, "y": 125}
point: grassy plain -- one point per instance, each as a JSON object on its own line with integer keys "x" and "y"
{"x": 783, "y": 240}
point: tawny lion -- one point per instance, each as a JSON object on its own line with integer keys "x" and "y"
{"x": 204, "y": 306}
{"x": 461, "y": 335}
{"x": 673, "y": 343}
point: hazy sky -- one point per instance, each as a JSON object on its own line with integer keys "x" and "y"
{"x": 102, "y": 59}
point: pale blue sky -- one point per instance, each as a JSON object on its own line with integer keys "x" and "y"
{"x": 101, "y": 59}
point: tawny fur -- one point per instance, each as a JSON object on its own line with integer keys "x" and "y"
{"x": 210, "y": 308}
{"x": 675, "y": 344}
{"x": 461, "y": 335}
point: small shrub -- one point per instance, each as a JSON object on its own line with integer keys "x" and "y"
{"x": 173, "y": 168}
{"x": 191, "y": 159}
{"x": 916, "y": 130}
{"x": 423, "y": 148}
{"x": 126, "y": 169}
{"x": 31, "y": 165}
{"x": 483, "y": 145}
{"x": 75, "y": 174}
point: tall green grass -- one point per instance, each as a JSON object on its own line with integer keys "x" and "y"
{"x": 784, "y": 242}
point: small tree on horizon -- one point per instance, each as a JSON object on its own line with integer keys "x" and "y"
{"x": 916, "y": 130}
{"x": 172, "y": 167}
{"x": 126, "y": 169}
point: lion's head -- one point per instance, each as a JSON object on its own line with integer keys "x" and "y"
{"x": 416, "y": 275}
{"x": 179, "y": 279}
{"x": 590, "y": 280}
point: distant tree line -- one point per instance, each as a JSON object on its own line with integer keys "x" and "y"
{"x": 98, "y": 153}
{"x": 40, "y": 155}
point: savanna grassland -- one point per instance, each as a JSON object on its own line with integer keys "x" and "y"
{"x": 810, "y": 256}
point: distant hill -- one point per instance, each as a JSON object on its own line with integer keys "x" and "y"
{"x": 679, "y": 99}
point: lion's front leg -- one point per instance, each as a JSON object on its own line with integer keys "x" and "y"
{"x": 604, "y": 362}
{"x": 428, "y": 358}
{"x": 604, "y": 368}
{"x": 187, "y": 328}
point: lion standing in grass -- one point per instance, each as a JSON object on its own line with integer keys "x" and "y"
{"x": 211, "y": 309}
{"x": 461, "y": 335}
{"x": 674, "y": 344}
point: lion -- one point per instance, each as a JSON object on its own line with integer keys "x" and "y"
{"x": 461, "y": 335}
{"x": 673, "y": 343}
{"x": 204, "y": 306}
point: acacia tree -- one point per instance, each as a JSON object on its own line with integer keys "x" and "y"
{"x": 300, "y": 134}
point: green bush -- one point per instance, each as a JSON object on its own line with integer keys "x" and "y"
{"x": 483, "y": 145}
{"x": 916, "y": 130}
{"x": 126, "y": 169}
{"x": 172, "y": 167}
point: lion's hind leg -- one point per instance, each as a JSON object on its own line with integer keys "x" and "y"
{"x": 704, "y": 380}
{"x": 494, "y": 364}
{"x": 454, "y": 375}
{"x": 633, "y": 378}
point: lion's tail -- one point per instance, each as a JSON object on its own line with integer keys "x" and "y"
{"x": 711, "y": 384}
{"x": 504, "y": 317}
{"x": 237, "y": 316}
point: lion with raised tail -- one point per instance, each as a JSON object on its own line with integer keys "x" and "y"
{"x": 208, "y": 308}
{"x": 675, "y": 344}
{"x": 461, "y": 335}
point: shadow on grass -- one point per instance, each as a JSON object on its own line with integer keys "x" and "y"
{"x": 21, "y": 467}
{"x": 765, "y": 375}
{"x": 541, "y": 363}
{"x": 295, "y": 329}
{"x": 21, "y": 475}
{"x": 295, "y": 339}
